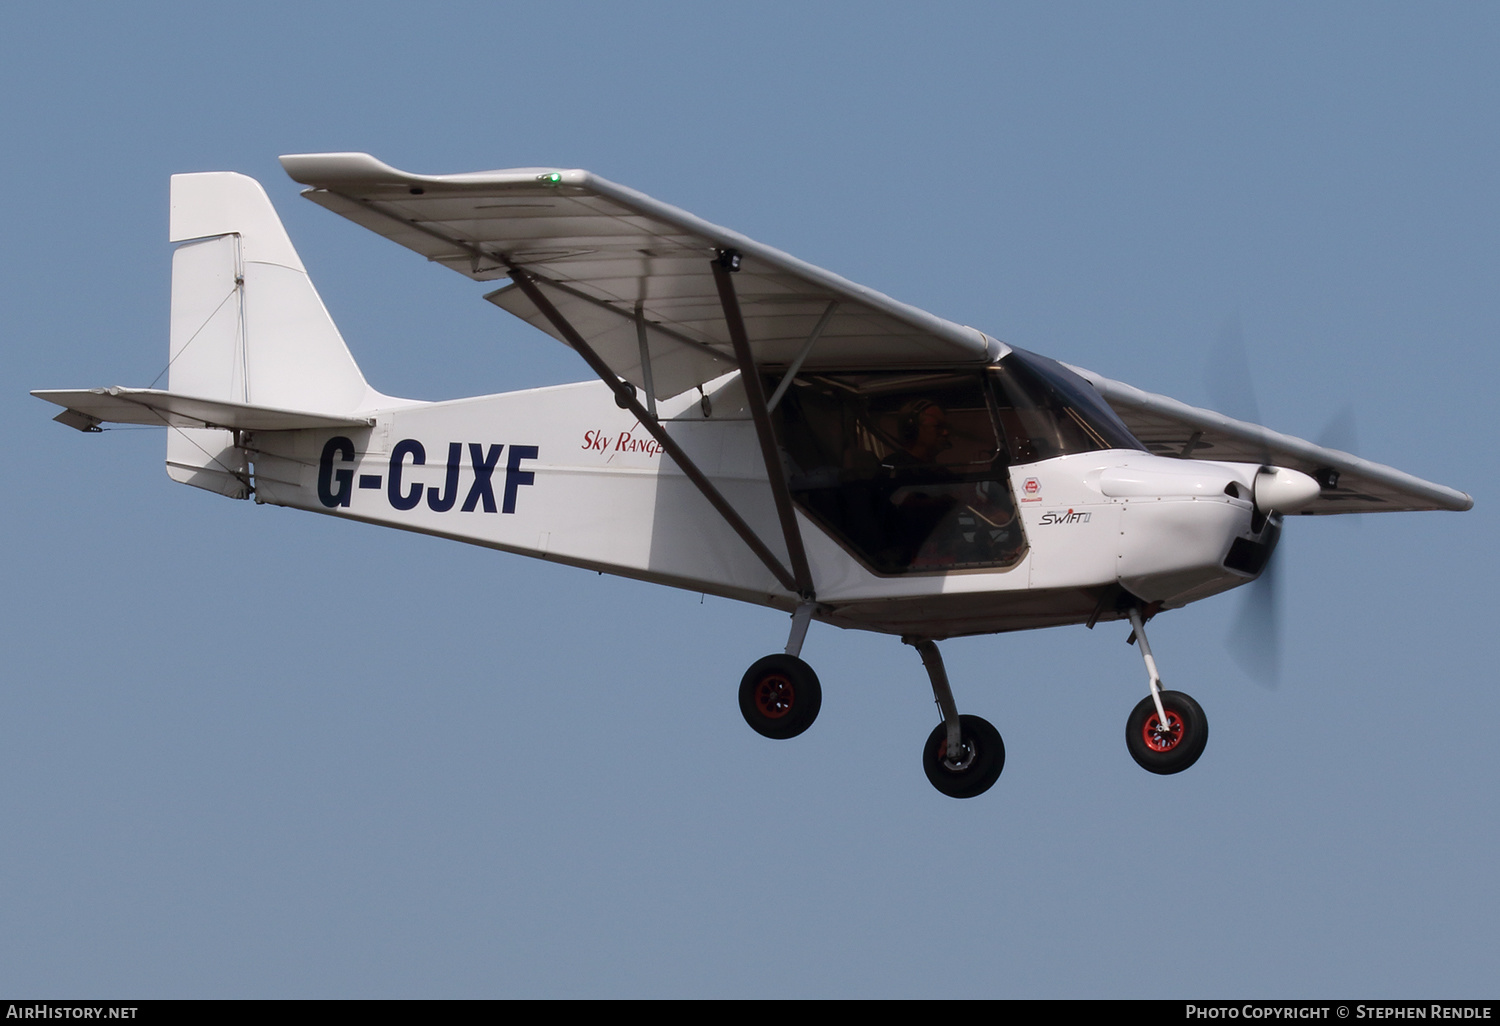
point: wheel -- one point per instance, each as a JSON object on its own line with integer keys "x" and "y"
{"x": 780, "y": 696}
{"x": 1169, "y": 749}
{"x": 979, "y": 764}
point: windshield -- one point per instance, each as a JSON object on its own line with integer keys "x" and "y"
{"x": 1047, "y": 410}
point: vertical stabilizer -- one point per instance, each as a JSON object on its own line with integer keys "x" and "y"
{"x": 247, "y": 324}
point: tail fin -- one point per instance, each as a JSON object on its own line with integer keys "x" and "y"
{"x": 247, "y": 325}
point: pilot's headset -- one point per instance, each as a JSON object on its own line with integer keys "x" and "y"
{"x": 909, "y": 426}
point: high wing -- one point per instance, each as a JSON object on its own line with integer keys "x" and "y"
{"x": 632, "y": 274}
{"x": 633, "y": 278}
{"x": 1350, "y": 484}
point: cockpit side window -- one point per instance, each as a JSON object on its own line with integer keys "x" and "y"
{"x": 906, "y": 469}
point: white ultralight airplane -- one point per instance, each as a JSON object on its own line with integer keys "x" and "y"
{"x": 762, "y": 430}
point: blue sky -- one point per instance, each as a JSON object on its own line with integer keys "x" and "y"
{"x": 249, "y": 752}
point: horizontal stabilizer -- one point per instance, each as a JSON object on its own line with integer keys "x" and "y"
{"x": 90, "y": 407}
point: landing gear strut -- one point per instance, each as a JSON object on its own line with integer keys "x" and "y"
{"x": 964, "y": 755}
{"x": 1167, "y": 730}
{"x": 780, "y": 695}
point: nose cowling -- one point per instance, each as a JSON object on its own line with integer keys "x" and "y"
{"x": 1284, "y": 491}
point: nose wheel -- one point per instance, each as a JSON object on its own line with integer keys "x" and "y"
{"x": 1171, "y": 746}
{"x": 1167, "y": 730}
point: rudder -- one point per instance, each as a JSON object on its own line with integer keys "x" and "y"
{"x": 247, "y": 325}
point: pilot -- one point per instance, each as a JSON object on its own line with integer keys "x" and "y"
{"x": 926, "y": 495}
{"x": 924, "y": 434}
{"x": 918, "y": 496}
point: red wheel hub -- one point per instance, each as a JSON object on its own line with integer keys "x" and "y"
{"x": 774, "y": 696}
{"x": 1160, "y": 738}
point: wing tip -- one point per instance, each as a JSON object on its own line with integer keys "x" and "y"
{"x": 318, "y": 169}
{"x": 351, "y": 168}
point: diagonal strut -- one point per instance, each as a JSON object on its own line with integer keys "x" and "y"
{"x": 755, "y": 397}
{"x": 625, "y": 396}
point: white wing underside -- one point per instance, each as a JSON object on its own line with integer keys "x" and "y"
{"x": 601, "y": 251}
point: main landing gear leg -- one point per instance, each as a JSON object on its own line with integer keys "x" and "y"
{"x": 1167, "y": 730}
{"x": 800, "y": 619}
{"x": 964, "y": 754}
{"x": 780, "y": 695}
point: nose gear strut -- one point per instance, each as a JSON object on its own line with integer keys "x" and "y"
{"x": 1167, "y": 730}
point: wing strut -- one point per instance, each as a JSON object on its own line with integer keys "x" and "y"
{"x": 755, "y": 396}
{"x": 640, "y": 339}
{"x": 812, "y": 340}
{"x": 625, "y": 396}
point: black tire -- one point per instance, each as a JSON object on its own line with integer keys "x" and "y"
{"x": 1172, "y": 750}
{"x": 985, "y": 758}
{"x": 780, "y": 696}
